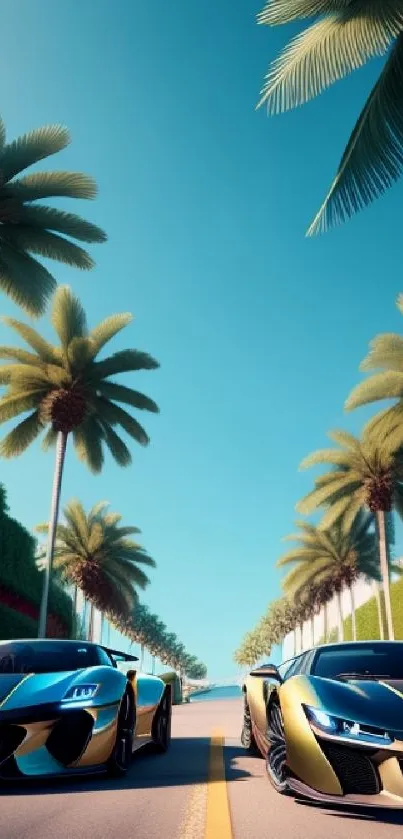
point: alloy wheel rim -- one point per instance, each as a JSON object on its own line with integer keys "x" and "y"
{"x": 277, "y": 756}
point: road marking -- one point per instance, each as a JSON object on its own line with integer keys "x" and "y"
{"x": 195, "y": 816}
{"x": 218, "y": 821}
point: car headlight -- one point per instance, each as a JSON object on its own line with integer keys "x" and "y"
{"x": 81, "y": 693}
{"x": 347, "y": 729}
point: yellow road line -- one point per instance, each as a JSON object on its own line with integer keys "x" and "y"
{"x": 218, "y": 821}
{"x": 194, "y": 821}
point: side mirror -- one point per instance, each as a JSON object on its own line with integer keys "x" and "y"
{"x": 267, "y": 671}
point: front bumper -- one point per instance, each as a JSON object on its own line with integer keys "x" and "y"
{"x": 365, "y": 776}
{"x": 51, "y": 740}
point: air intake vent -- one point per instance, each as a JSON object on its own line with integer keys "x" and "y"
{"x": 11, "y": 736}
{"x": 354, "y": 769}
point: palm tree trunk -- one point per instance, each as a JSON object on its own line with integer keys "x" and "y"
{"x": 102, "y": 627}
{"x": 54, "y": 515}
{"x": 108, "y": 634}
{"x": 301, "y": 637}
{"x": 377, "y": 594}
{"x": 91, "y": 625}
{"x": 75, "y": 616}
{"x": 142, "y": 657}
{"x": 383, "y": 559}
{"x": 313, "y": 630}
{"x": 325, "y": 621}
{"x": 353, "y": 615}
{"x": 340, "y": 623}
{"x": 294, "y": 642}
{"x": 153, "y": 666}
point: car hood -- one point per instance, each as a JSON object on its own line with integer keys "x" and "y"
{"x": 369, "y": 702}
{"x": 23, "y": 691}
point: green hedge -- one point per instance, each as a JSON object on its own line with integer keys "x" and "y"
{"x": 15, "y": 625}
{"x": 367, "y": 618}
{"x": 18, "y": 571}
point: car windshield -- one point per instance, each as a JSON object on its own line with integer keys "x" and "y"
{"x": 376, "y": 660}
{"x": 48, "y": 656}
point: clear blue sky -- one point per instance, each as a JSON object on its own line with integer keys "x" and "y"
{"x": 259, "y": 331}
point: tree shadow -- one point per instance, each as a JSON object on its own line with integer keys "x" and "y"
{"x": 185, "y": 763}
{"x": 382, "y": 815}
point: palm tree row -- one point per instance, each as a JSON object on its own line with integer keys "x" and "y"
{"x": 357, "y": 493}
{"x": 146, "y": 629}
{"x": 63, "y": 390}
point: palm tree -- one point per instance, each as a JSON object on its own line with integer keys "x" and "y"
{"x": 67, "y": 390}
{"x": 28, "y": 227}
{"x": 346, "y": 36}
{"x": 95, "y": 553}
{"x": 330, "y": 556}
{"x": 364, "y": 473}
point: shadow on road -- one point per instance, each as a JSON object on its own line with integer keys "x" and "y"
{"x": 185, "y": 763}
{"x": 364, "y": 814}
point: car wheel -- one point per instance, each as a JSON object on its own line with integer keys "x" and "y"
{"x": 161, "y": 730}
{"x": 276, "y": 761}
{"x": 247, "y": 736}
{"x": 121, "y": 757}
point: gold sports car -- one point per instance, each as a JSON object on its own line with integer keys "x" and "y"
{"x": 329, "y": 723}
{"x": 66, "y": 708}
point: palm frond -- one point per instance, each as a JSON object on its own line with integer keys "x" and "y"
{"x": 88, "y": 444}
{"x": 124, "y": 361}
{"x": 52, "y": 185}
{"x": 344, "y": 438}
{"x": 386, "y": 352}
{"x": 79, "y": 354}
{"x": 328, "y": 50}
{"x": 336, "y": 511}
{"x": 107, "y": 329}
{"x": 69, "y": 224}
{"x": 118, "y": 449}
{"x": 25, "y": 280}
{"x": 45, "y": 351}
{"x": 373, "y": 158}
{"x": 114, "y": 415}
{"x": 119, "y": 393}
{"x": 32, "y": 147}
{"x": 47, "y": 244}
{"x": 50, "y": 439}
{"x": 68, "y": 316}
{"x": 23, "y": 356}
{"x": 386, "y": 385}
{"x": 285, "y": 11}
{"x": 318, "y": 497}
{"x": 21, "y": 436}
{"x": 12, "y": 406}
{"x": 331, "y": 456}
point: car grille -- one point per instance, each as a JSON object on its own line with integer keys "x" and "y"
{"x": 354, "y": 769}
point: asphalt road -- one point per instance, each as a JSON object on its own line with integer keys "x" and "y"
{"x": 182, "y": 795}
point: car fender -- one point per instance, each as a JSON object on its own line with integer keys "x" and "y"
{"x": 304, "y": 755}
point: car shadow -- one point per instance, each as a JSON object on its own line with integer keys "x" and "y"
{"x": 185, "y": 763}
{"x": 382, "y": 815}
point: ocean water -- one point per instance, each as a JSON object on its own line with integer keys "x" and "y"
{"x": 225, "y": 692}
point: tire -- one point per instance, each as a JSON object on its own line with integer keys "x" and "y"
{"x": 121, "y": 757}
{"x": 161, "y": 729}
{"x": 276, "y": 761}
{"x": 247, "y": 737}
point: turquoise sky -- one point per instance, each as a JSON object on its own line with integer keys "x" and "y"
{"x": 259, "y": 331}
